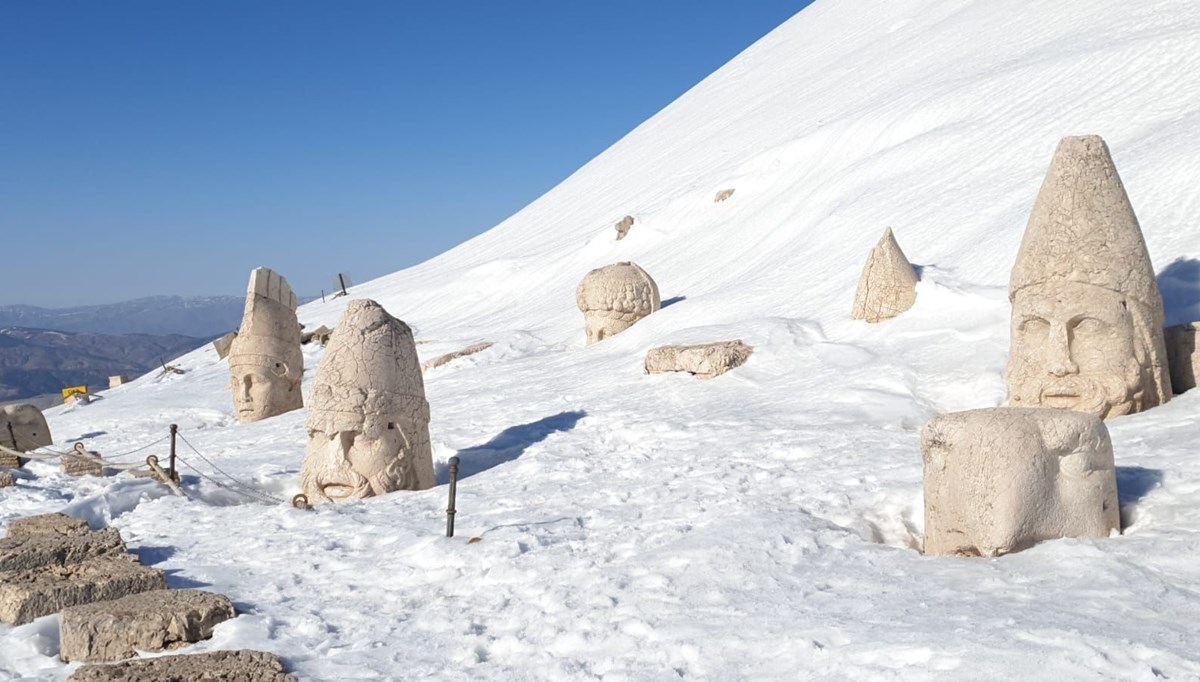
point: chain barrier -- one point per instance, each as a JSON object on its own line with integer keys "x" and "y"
{"x": 244, "y": 489}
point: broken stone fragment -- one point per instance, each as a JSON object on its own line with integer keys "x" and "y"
{"x": 705, "y": 360}
{"x": 888, "y": 285}
{"x": 443, "y": 359}
{"x": 623, "y": 227}
{"x": 147, "y": 621}
{"x": 1183, "y": 355}
{"x": 47, "y": 524}
{"x": 26, "y": 552}
{"x": 7, "y": 479}
{"x": 723, "y": 195}
{"x": 25, "y": 595}
{"x": 214, "y": 666}
{"x": 1002, "y": 479}
{"x": 223, "y": 344}
{"x": 320, "y": 335}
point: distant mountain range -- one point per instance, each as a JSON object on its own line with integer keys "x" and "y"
{"x": 201, "y": 317}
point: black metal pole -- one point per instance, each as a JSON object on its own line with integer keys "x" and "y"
{"x": 450, "y": 511}
{"x": 174, "y": 430}
{"x": 13, "y": 436}
{"x": 342, "y": 281}
{"x": 322, "y": 296}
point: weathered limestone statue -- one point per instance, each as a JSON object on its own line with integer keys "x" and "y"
{"x": 1087, "y": 315}
{"x": 1183, "y": 355}
{"x": 614, "y": 297}
{"x": 1002, "y": 479}
{"x": 368, "y": 421}
{"x": 265, "y": 357}
{"x": 23, "y": 428}
{"x": 888, "y": 285}
{"x": 703, "y": 360}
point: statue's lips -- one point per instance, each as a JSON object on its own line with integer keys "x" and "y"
{"x": 336, "y": 488}
{"x": 1061, "y": 397}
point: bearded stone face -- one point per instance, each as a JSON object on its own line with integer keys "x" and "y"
{"x": 349, "y": 462}
{"x": 1076, "y": 347}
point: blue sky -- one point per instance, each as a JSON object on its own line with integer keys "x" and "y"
{"x": 151, "y": 147}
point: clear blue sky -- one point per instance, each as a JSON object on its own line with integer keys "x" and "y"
{"x": 168, "y": 147}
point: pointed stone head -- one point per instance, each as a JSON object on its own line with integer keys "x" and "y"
{"x": 1087, "y": 315}
{"x": 368, "y": 420}
{"x": 23, "y": 428}
{"x": 888, "y": 285}
{"x": 614, "y": 297}
{"x": 265, "y": 359}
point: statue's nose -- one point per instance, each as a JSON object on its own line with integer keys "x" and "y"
{"x": 1059, "y": 362}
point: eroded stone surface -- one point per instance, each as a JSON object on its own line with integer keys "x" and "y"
{"x": 443, "y": 359}
{"x": 7, "y": 479}
{"x": 623, "y": 227}
{"x": 214, "y": 666}
{"x": 723, "y": 195}
{"x": 888, "y": 285}
{"x": 1183, "y": 355}
{"x": 223, "y": 344}
{"x": 1087, "y": 315}
{"x": 47, "y": 524}
{"x": 25, "y": 552}
{"x": 25, "y": 595}
{"x": 265, "y": 359}
{"x": 23, "y": 428}
{"x": 1002, "y": 479}
{"x": 147, "y": 621}
{"x": 705, "y": 360}
{"x": 76, "y": 464}
{"x": 368, "y": 420}
{"x": 614, "y": 297}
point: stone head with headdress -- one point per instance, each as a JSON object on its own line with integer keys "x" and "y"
{"x": 265, "y": 359}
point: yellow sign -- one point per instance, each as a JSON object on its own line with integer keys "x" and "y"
{"x": 68, "y": 392}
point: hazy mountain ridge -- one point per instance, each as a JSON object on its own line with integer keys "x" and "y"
{"x": 193, "y": 316}
{"x": 38, "y": 361}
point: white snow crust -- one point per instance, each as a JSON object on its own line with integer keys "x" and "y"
{"x": 761, "y": 525}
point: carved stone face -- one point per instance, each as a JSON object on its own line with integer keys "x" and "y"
{"x": 261, "y": 391}
{"x": 1077, "y": 347}
{"x": 350, "y": 464}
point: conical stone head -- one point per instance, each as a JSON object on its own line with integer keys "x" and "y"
{"x": 1087, "y": 315}
{"x": 368, "y": 420}
{"x": 888, "y": 285}
{"x": 265, "y": 360}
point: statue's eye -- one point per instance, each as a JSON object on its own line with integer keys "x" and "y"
{"x": 1090, "y": 325}
{"x": 1034, "y": 326}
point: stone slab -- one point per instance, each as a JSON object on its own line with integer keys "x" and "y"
{"x": 147, "y": 621}
{"x": 47, "y": 524}
{"x": 26, "y": 552}
{"x": 7, "y": 479}
{"x": 11, "y": 461}
{"x": 705, "y": 360}
{"x": 224, "y": 666}
{"x": 81, "y": 465}
{"x": 25, "y": 595}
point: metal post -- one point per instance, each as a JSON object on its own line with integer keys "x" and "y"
{"x": 13, "y": 436}
{"x": 342, "y": 281}
{"x": 450, "y": 511}
{"x": 174, "y": 475}
{"x": 322, "y": 296}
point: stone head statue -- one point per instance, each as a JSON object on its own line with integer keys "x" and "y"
{"x": 1087, "y": 315}
{"x": 1001, "y": 479}
{"x": 614, "y": 297}
{"x": 265, "y": 359}
{"x": 368, "y": 420}
{"x": 25, "y": 425}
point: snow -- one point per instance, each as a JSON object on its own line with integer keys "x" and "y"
{"x": 761, "y": 525}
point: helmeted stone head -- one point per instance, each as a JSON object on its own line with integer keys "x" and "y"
{"x": 614, "y": 297}
{"x": 1087, "y": 315}
{"x": 265, "y": 360}
{"x": 23, "y": 428}
{"x": 368, "y": 420}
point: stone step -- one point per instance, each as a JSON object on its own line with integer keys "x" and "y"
{"x": 224, "y": 666}
{"x": 26, "y": 552}
{"x": 147, "y": 621}
{"x": 25, "y": 595}
{"x": 42, "y": 524}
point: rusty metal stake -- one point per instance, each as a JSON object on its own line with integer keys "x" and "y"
{"x": 450, "y": 510}
{"x": 174, "y": 474}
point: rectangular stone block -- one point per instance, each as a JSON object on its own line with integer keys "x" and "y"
{"x": 10, "y": 461}
{"x": 47, "y": 524}
{"x": 25, "y": 595}
{"x": 240, "y": 666}
{"x": 7, "y": 479}
{"x": 80, "y": 465}
{"x": 25, "y": 552}
{"x": 148, "y": 621}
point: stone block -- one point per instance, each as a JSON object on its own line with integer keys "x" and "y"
{"x": 75, "y": 464}
{"x": 147, "y": 621}
{"x": 25, "y": 595}
{"x": 47, "y": 524}
{"x": 26, "y": 552}
{"x": 1183, "y": 355}
{"x": 7, "y": 479}
{"x": 10, "y": 460}
{"x": 999, "y": 480}
{"x": 443, "y": 359}
{"x": 705, "y": 360}
{"x": 215, "y": 666}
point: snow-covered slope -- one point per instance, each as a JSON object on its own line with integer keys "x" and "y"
{"x": 761, "y": 525}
